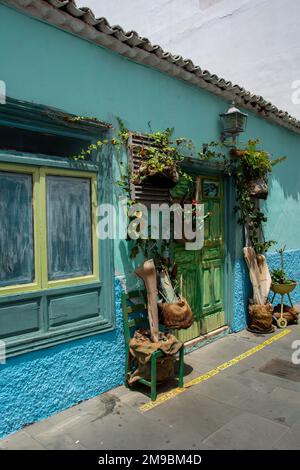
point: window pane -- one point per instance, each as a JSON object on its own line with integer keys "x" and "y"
{"x": 16, "y": 229}
{"x": 69, "y": 227}
{"x": 24, "y": 140}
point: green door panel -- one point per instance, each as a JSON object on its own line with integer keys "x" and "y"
{"x": 188, "y": 268}
{"x": 202, "y": 271}
{"x": 217, "y": 284}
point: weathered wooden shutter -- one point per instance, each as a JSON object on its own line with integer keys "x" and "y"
{"x": 145, "y": 193}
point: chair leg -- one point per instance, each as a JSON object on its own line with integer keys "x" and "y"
{"x": 153, "y": 377}
{"x": 181, "y": 367}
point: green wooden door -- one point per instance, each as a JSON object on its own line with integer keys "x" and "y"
{"x": 203, "y": 270}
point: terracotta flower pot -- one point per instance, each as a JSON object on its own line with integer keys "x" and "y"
{"x": 237, "y": 153}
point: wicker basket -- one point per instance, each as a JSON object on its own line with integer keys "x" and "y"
{"x": 283, "y": 288}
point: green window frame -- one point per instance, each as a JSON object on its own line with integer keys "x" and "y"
{"x": 40, "y": 244}
{"x": 58, "y": 309}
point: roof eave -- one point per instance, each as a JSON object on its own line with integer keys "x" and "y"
{"x": 81, "y": 22}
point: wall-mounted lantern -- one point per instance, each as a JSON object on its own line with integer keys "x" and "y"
{"x": 234, "y": 122}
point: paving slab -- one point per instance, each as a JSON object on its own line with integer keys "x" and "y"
{"x": 21, "y": 441}
{"x": 78, "y": 415}
{"x": 182, "y": 415}
{"x": 247, "y": 431}
{"x": 290, "y": 440}
{"x": 58, "y": 441}
{"x": 286, "y": 395}
{"x": 223, "y": 389}
{"x": 266, "y": 381}
{"x": 267, "y": 406}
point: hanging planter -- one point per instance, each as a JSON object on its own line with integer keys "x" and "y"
{"x": 161, "y": 175}
{"x": 259, "y": 188}
{"x": 157, "y": 161}
{"x": 167, "y": 179}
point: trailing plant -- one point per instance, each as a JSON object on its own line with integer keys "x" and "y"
{"x": 254, "y": 164}
{"x": 86, "y": 154}
{"x": 86, "y": 120}
{"x": 257, "y": 163}
{"x": 162, "y": 155}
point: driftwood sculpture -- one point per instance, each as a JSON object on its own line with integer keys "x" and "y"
{"x": 147, "y": 273}
{"x": 166, "y": 288}
{"x": 259, "y": 275}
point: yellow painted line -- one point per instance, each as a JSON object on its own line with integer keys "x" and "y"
{"x": 202, "y": 378}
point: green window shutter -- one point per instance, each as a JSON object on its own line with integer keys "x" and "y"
{"x": 69, "y": 227}
{"x": 145, "y": 193}
{"x": 16, "y": 234}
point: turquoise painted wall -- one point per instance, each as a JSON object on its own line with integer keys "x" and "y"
{"x": 42, "y": 64}
{"x": 46, "y": 65}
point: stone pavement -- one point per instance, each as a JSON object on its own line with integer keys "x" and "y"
{"x": 242, "y": 407}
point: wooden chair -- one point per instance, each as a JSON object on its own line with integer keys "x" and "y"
{"x": 135, "y": 317}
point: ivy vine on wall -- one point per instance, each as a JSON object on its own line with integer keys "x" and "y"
{"x": 249, "y": 167}
{"x": 250, "y": 171}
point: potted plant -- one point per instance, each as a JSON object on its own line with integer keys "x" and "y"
{"x": 159, "y": 161}
{"x": 281, "y": 284}
{"x": 158, "y": 173}
{"x": 257, "y": 165}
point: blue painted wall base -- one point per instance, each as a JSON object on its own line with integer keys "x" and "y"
{"x": 242, "y": 286}
{"x": 291, "y": 267}
{"x": 242, "y": 292}
{"x": 40, "y": 384}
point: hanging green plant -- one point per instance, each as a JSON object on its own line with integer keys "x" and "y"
{"x": 251, "y": 173}
{"x": 160, "y": 159}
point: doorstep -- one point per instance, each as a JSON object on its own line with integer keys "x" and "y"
{"x": 202, "y": 340}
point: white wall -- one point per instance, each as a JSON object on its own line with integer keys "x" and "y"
{"x": 255, "y": 43}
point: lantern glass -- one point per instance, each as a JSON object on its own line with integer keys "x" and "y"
{"x": 234, "y": 121}
{"x": 241, "y": 121}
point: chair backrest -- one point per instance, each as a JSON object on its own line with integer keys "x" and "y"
{"x": 134, "y": 305}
